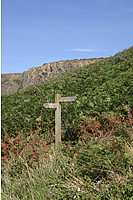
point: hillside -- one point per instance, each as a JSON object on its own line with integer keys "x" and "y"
{"x": 103, "y": 87}
{"x": 17, "y": 81}
{"x": 95, "y": 160}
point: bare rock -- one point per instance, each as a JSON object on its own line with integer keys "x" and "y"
{"x": 17, "y": 81}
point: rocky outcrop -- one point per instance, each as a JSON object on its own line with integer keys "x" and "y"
{"x": 14, "y": 82}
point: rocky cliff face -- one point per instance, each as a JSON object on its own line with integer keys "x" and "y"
{"x": 14, "y": 82}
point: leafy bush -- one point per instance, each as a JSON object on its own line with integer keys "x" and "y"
{"x": 99, "y": 160}
{"x": 102, "y": 87}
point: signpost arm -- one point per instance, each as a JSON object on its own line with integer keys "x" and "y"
{"x": 57, "y": 121}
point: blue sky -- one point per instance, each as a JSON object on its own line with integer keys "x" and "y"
{"x": 35, "y": 32}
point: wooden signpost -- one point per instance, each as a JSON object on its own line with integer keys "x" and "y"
{"x": 57, "y": 105}
{"x": 50, "y": 105}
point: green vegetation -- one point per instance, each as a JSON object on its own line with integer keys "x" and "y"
{"x": 95, "y": 171}
{"x": 98, "y": 164}
{"x": 100, "y": 88}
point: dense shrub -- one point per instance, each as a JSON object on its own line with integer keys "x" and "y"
{"x": 102, "y": 87}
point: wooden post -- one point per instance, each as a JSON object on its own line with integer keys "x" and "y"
{"x": 57, "y": 121}
{"x": 57, "y": 105}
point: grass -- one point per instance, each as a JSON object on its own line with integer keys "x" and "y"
{"x": 94, "y": 171}
{"x": 95, "y": 160}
